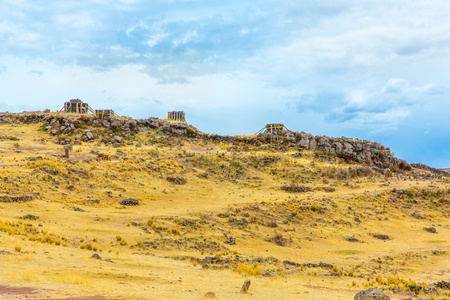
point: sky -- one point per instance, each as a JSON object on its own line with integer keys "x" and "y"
{"x": 373, "y": 70}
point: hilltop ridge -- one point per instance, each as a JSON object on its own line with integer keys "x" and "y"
{"x": 71, "y": 128}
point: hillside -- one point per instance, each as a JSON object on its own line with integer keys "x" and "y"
{"x": 155, "y": 209}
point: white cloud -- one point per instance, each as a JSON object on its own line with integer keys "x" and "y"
{"x": 80, "y": 20}
{"x": 244, "y": 31}
{"x": 156, "y": 38}
{"x": 378, "y": 122}
{"x": 187, "y": 37}
{"x": 396, "y": 85}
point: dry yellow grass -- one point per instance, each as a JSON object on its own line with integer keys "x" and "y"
{"x": 158, "y": 249}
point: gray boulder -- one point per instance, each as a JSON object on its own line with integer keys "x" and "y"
{"x": 304, "y": 143}
{"x": 324, "y": 145}
{"x": 153, "y": 122}
{"x": 348, "y": 149}
{"x": 312, "y": 144}
{"x": 371, "y": 294}
{"x": 338, "y": 146}
{"x": 246, "y": 286}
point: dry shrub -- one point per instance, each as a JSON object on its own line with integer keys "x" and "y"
{"x": 334, "y": 173}
{"x": 174, "y": 231}
{"x": 360, "y": 171}
{"x": 279, "y": 239}
{"x": 272, "y": 224}
{"x": 367, "y": 171}
{"x": 254, "y": 270}
{"x": 404, "y": 166}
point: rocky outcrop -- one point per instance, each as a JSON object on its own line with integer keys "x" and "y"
{"x": 430, "y": 169}
{"x": 360, "y": 151}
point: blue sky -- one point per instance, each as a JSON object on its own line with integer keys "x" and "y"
{"x": 375, "y": 70}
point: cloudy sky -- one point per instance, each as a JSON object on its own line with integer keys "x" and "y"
{"x": 374, "y": 70}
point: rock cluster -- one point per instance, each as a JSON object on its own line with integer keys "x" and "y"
{"x": 353, "y": 239}
{"x": 176, "y": 180}
{"x": 430, "y": 229}
{"x": 17, "y": 199}
{"x": 29, "y": 217}
{"x": 130, "y": 202}
{"x": 381, "y": 236}
{"x": 296, "y": 189}
{"x": 443, "y": 284}
{"x": 230, "y": 240}
{"x": 309, "y": 265}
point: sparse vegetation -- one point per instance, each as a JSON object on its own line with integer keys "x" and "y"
{"x": 211, "y": 208}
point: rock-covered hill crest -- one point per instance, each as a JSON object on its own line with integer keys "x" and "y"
{"x": 76, "y": 129}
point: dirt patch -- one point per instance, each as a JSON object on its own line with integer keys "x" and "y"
{"x": 322, "y": 288}
{"x": 10, "y": 290}
{"x": 35, "y": 293}
{"x": 203, "y": 150}
{"x": 31, "y": 149}
{"x": 85, "y": 298}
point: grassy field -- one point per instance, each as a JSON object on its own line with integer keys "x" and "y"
{"x": 208, "y": 219}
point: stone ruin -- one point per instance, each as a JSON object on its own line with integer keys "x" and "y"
{"x": 104, "y": 113}
{"x": 76, "y": 106}
{"x": 275, "y": 127}
{"x": 177, "y": 116}
{"x": 275, "y": 131}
